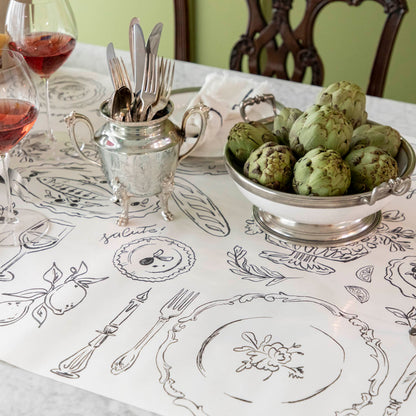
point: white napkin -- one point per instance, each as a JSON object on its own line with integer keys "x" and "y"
{"x": 223, "y": 93}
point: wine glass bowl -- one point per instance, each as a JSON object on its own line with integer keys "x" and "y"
{"x": 45, "y": 33}
{"x": 19, "y": 109}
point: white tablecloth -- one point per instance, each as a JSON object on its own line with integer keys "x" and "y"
{"x": 275, "y": 327}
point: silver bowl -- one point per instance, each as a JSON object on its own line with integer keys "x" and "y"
{"x": 315, "y": 220}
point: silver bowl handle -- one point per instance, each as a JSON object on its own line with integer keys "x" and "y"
{"x": 398, "y": 186}
{"x": 71, "y": 121}
{"x": 257, "y": 100}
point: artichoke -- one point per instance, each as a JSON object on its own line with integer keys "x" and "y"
{"x": 346, "y": 97}
{"x": 384, "y": 137}
{"x": 283, "y": 122}
{"x": 321, "y": 172}
{"x": 370, "y": 166}
{"x": 320, "y": 126}
{"x": 245, "y": 137}
{"x": 271, "y": 165}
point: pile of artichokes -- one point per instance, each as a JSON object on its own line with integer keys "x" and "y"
{"x": 328, "y": 150}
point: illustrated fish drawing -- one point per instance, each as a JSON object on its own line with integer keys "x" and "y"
{"x": 311, "y": 259}
{"x": 71, "y": 188}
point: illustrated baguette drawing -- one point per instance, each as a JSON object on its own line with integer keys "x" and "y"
{"x": 199, "y": 208}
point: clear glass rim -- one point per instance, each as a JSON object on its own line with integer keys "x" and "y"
{"x": 18, "y": 59}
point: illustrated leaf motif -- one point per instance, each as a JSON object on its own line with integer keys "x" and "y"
{"x": 53, "y": 274}
{"x": 396, "y": 312}
{"x": 393, "y": 215}
{"x": 241, "y": 368}
{"x": 243, "y": 349}
{"x": 297, "y": 372}
{"x": 266, "y": 340}
{"x": 239, "y": 252}
{"x": 29, "y": 293}
{"x": 86, "y": 281}
{"x": 250, "y": 337}
{"x": 253, "y": 273}
{"x": 82, "y": 269}
{"x": 239, "y": 272}
{"x": 401, "y": 323}
{"x": 40, "y": 314}
{"x": 274, "y": 282}
{"x": 412, "y": 312}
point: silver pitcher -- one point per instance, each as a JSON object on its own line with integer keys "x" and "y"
{"x": 139, "y": 159}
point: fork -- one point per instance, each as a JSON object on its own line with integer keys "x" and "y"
{"x": 167, "y": 69}
{"x": 150, "y": 84}
{"x": 171, "y": 309}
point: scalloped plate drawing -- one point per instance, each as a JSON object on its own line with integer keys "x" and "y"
{"x": 154, "y": 259}
{"x": 78, "y": 190}
{"x": 271, "y": 354}
{"x": 68, "y": 89}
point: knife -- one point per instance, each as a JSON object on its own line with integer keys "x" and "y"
{"x": 152, "y": 44}
{"x": 139, "y": 48}
{"x": 133, "y": 21}
{"x": 111, "y": 54}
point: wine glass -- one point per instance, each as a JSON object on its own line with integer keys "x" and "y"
{"x": 18, "y": 112}
{"x": 44, "y": 32}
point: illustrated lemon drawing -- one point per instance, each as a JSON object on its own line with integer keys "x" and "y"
{"x": 64, "y": 297}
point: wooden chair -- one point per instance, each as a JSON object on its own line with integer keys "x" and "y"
{"x": 182, "y": 30}
{"x": 260, "y": 37}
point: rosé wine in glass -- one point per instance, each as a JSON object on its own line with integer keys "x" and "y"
{"x": 18, "y": 112}
{"x": 16, "y": 119}
{"x": 45, "y": 52}
{"x": 44, "y": 32}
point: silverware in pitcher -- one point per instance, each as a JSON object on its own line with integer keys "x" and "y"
{"x": 139, "y": 158}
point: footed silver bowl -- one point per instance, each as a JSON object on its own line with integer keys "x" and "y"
{"x": 327, "y": 221}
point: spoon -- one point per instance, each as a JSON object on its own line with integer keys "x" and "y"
{"x": 121, "y": 104}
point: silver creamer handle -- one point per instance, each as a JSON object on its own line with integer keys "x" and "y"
{"x": 71, "y": 121}
{"x": 202, "y": 110}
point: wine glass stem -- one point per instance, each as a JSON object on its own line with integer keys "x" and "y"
{"x": 48, "y": 114}
{"x": 9, "y": 216}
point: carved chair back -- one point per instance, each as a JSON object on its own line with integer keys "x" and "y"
{"x": 182, "y": 30}
{"x": 260, "y": 39}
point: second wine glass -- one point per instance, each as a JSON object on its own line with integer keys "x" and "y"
{"x": 18, "y": 113}
{"x": 44, "y": 32}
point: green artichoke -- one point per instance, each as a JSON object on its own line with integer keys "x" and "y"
{"x": 370, "y": 166}
{"x": 245, "y": 137}
{"x": 283, "y": 122}
{"x": 384, "y": 137}
{"x": 320, "y": 126}
{"x": 321, "y": 172}
{"x": 346, "y": 97}
{"x": 271, "y": 165}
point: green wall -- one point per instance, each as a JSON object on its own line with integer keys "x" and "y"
{"x": 344, "y": 35}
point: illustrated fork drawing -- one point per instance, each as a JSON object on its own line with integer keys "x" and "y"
{"x": 171, "y": 309}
